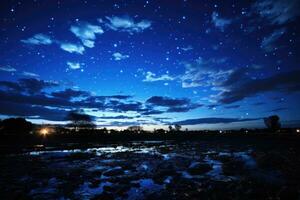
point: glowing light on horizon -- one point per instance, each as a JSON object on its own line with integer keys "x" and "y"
{"x": 44, "y": 132}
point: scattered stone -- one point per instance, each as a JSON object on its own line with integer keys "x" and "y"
{"x": 95, "y": 183}
{"x": 199, "y": 168}
{"x": 104, "y": 196}
{"x": 233, "y": 167}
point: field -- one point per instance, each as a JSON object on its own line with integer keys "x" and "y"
{"x": 216, "y": 168}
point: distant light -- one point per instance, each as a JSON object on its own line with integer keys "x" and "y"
{"x": 44, "y": 131}
{"x": 298, "y": 130}
{"x": 220, "y": 131}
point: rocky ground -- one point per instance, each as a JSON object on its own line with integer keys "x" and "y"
{"x": 153, "y": 170}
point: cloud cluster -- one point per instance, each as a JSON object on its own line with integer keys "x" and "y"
{"x": 29, "y": 97}
{"x": 70, "y": 93}
{"x": 204, "y": 73}
{"x": 42, "y": 39}
{"x": 30, "y": 85}
{"x": 38, "y": 39}
{"x": 220, "y": 23}
{"x": 199, "y": 73}
{"x": 278, "y": 11}
{"x": 31, "y": 112}
{"x": 287, "y": 82}
{"x": 72, "y": 48}
{"x": 86, "y": 32}
{"x": 126, "y": 24}
{"x": 118, "y": 56}
{"x": 73, "y": 65}
{"x": 172, "y": 104}
{"x": 151, "y": 77}
{"x": 231, "y": 84}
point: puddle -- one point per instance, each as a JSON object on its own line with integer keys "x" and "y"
{"x": 99, "y": 151}
{"x": 132, "y": 165}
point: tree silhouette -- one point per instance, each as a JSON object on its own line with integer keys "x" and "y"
{"x": 80, "y": 120}
{"x": 16, "y": 126}
{"x": 135, "y": 129}
{"x": 272, "y": 122}
{"x": 177, "y": 127}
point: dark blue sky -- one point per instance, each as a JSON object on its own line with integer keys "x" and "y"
{"x": 202, "y": 64}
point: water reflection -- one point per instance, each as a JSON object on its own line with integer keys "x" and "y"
{"x": 136, "y": 170}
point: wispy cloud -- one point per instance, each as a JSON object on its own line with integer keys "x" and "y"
{"x": 198, "y": 73}
{"x": 70, "y": 93}
{"x": 27, "y": 85}
{"x": 7, "y": 69}
{"x": 24, "y": 73}
{"x": 203, "y": 72}
{"x": 73, "y": 65}
{"x": 213, "y": 120}
{"x": 268, "y": 42}
{"x": 151, "y": 77}
{"x": 278, "y": 11}
{"x": 38, "y": 39}
{"x": 172, "y": 104}
{"x": 219, "y": 22}
{"x": 126, "y": 24}
{"x": 119, "y": 56}
{"x": 72, "y": 48}
{"x": 287, "y": 82}
{"x": 42, "y": 39}
{"x": 30, "y": 74}
{"x": 188, "y": 48}
{"x": 86, "y": 32}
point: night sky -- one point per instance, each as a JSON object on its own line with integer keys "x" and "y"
{"x": 201, "y": 64}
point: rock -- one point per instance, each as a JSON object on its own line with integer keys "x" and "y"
{"x": 104, "y": 196}
{"x": 122, "y": 190}
{"x": 233, "y": 167}
{"x": 160, "y": 176}
{"x": 224, "y": 158}
{"x": 94, "y": 183}
{"x": 199, "y": 168}
{"x": 108, "y": 188}
{"x": 271, "y": 160}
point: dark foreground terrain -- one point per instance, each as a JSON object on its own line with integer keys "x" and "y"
{"x": 203, "y": 169}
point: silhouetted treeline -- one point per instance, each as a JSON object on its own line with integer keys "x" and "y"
{"x": 18, "y": 131}
{"x": 15, "y": 126}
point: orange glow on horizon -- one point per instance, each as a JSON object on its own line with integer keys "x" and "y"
{"x": 44, "y": 131}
